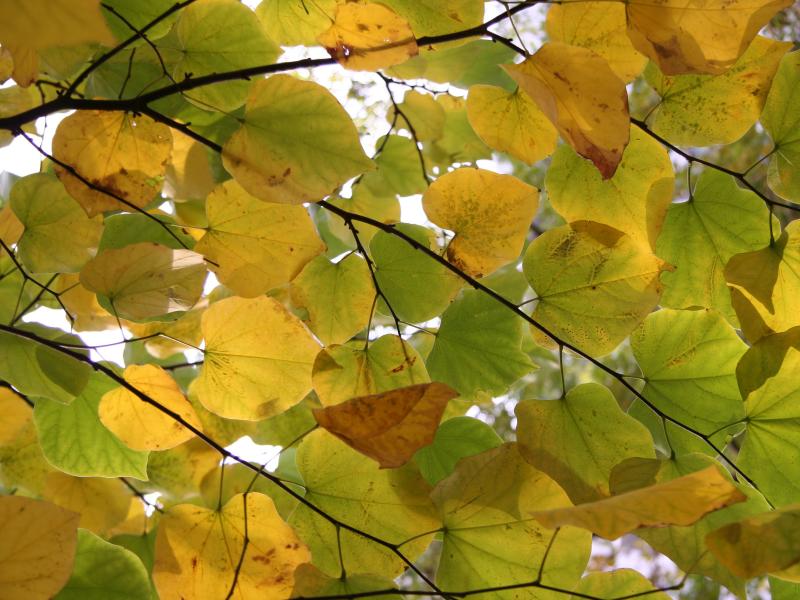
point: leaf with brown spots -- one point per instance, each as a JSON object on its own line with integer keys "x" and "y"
{"x": 389, "y": 427}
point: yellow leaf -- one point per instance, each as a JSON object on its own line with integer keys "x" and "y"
{"x": 254, "y": 246}
{"x": 145, "y": 280}
{"x": 600, "y": 27}
{"x": 188, "y": 174}
{"x": 764, "y": 284}
{"x": 594, "y": 284}
{"x": 635, "y": 200}
{"x": 681, "y": 501}
{"x": 82, "y": 304}
{"x": 258, "y": 359}
{"x": 117, "y": 152}
{"x": 183, "y": 332}
{"x": 10, "y": 226}
{"x": 583, "y": 98}
{"x": 510, "y": 122}
{"x": 697, "y": 36}
{"x": 200, "y": 552}
{"x": 703, "y": 110}
{"x": 37, "y": 548}
{"x": 764, "y": 543}
{"x": 296, "y": 144}
{"x": 101, "y": 503}
{"x": 389, "y": 427}
{"x": 345, "y": 372}
{"x": 368, "y": 37}
{"x": 178, "y": 472}
{"x": 140, "y": 425}
{"x": 489, "y": 213}
{"x": 339, "y": 297}
{"x": 16, "y": 415}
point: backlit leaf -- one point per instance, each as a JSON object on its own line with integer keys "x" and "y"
{"x": 616, "y": 584}
{"x": 783, "y": 126}
{"x": 293, "y": 23}
{"x": 253, "y": 246}
{"x": 296, "y": 143}
{"x": 681, "y": 501}
{"x": 593, "y": 282}
{"x": 577, "y": 440}
{"x": 389, "y": 427}
{"x": 37, "y": 548}
{"x": 582, "y": 97}
{"x": 101, "y": 503}
{"x": 436, "y": 17}
{"x": 198, "y": 551}
{"x": 368, "y": 37}
{"x": 258, "y": 359}
{"x": 145, "y": 281}
{"x": 119, "y": 153}
{"x": 489, "y": 213}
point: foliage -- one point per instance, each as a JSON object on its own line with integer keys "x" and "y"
{"x": 594, "y": 336}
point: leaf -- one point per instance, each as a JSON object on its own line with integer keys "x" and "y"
{"x": 292, "y": 23}
{"x": 478, "y": 347}
{"x": 455, "y": 439}
{"x": 635, "y": 200}
{"x": 104, "y": 571}
{"x": 75, "y": 441}
{"x": 117, "y": 153}
{"x": 52, "y": 218}
{"x": 414, "y": 286}
{"x": 681, "y": 501}
{"x": 311, "y": 582}
{"x": 489, "y": 539}
{"x": 760, "y": 544}
{"x": 368, "y": 37}
{"x": 437, "y": 17}
{"x": 593, "y": 282}
{"x": 37, "y": 549}
{"x": 510, "y": 122}
{"x": 783, "y": 126}
{"x": 577, "y": 440}
{"x": 254, "y": 246}
{"x": 700, "y": 237}
{"x": 617, "y": 583}
{"x": 338, "y": 297}
{"x": 102, "y": 503}
{"x": 214, "y": 36}
{"x": 423, "y": 113}
{"x": 344, "y": 372}
{"x": 389, "y": 427}
{"x": 688, "y": 359}
{"x": 766, "y": 375}
{"x": 145, "y": 281}
{"x": 763, "y": 285}
{"x": 140, "y": 425}
{"x": 697, "y": 37}
{"x": 703, "y": 110}
{"x": 599, "y": 27}
{"x": 392, "y": 505}
{"x": 258, "y": 359}
{"x": 198, "y": 551}
{"x": 296, "y": 144}
{"x": 582, "y": 97}
{"x": 398, "y": 168}
{"x": 489, "y": 213}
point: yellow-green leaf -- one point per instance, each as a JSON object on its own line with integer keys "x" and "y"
{"x": 690, "y": 36}
{"x": 253, "y": 246}
{"x": 389, "y": 427}
{"x": 582, "y": 97}
{"x": 203, "y": 553}
{"x": 783, "y": 125}
{"x": 120, "y": 153}
{"x": 619, "y": 583}
{"x": 510, "y": 122}
{"x": 489, "y": 213}
{"x": 703, "y": 110}
{"x": 258, "y": 359}
{"x": 297, "y": 143}
{"x": 144, "y": 281}
{"x": 593, "y": 282}
{"x": 293, "y": 23}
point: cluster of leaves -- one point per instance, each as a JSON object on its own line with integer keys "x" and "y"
{"x": 356, "y": 342}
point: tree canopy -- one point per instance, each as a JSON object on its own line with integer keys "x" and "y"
{"x": 492, "y": 280}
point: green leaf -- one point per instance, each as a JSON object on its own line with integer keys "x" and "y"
{"x": 783, "y": 126}
{"x": 293, "y": 23}
{"x": 75, "y": 441}
{"x": 399, "y": 170}
{"x": 618, "y": 584}
{"x": 104, "y": 571}
{"x": 700, "y": 236}
{"x": 125, "y": 229}
{"x": 478, "y": 346}
{"x": 577, "y": 440}
{"x": 455, "y": 439}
